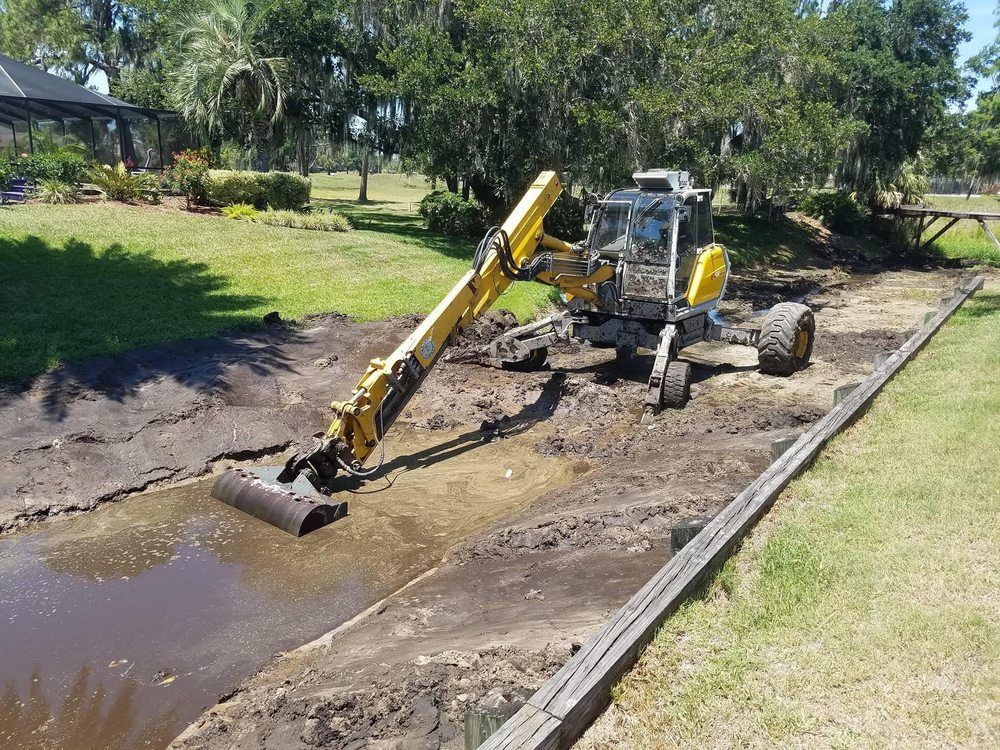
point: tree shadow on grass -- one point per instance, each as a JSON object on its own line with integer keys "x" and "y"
{"x": 983, "y": 305}
{"x": 68, "y": 304}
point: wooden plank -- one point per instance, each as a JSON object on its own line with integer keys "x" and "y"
{"x": 564, "y": 707}
{"x": 529, "y": 727}
{"x": 952, "y": 222}
{"x": 920, "y": 232}
{"x": 942, "y": 212}
{"x": 989, "y": 233}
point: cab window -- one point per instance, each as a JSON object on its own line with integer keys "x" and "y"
{"x": 611, "y": 231}
{"x": 706, "y": 234}
{"x": 687, "y": 229}
{"x": 651, "y": 230}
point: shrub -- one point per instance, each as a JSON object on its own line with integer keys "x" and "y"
{"x": 283, "y": 190}
{"x": 189, "y": 175}
{"x": 448, "y": 213}
{"x": 326, "y": 221}
{"x": 56, "y": 192}
{"x": 231, "y": 188}
{"x": 119, "y": 184}
{"x": 277, "y": 190}
{"x": 240, "y": 211}
{"x": 6, "y": 173}
{"x": 837, "y": 210}
{"x": 63, "y": 165}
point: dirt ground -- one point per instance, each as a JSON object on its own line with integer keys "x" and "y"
{"x": 505, "y": 608}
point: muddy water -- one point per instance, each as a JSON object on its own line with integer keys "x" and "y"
{"x": 118, "y": 627}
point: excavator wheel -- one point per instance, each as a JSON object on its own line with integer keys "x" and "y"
{"x": 786, "y": 339}
{"x": 535, "y": 361}
{"x": 676, "y": 385}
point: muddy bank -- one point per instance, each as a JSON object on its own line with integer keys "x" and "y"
{"x": 503, "y": 607}
{"x": 90, "y": 433}
{"x": 121, "y": 625}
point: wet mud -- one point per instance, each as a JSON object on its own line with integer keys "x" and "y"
{"x": 120, "y": 626}
{"x": 527, "y": 574}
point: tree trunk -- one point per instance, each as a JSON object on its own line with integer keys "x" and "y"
{"x": 452, "y": 182}
{"x": 363, "y": 193}
{"x": 465, "y": 188}
{"x": 302, "y": 151}
{"x": 972, "y": 186}
{"x": 260, "y": 147}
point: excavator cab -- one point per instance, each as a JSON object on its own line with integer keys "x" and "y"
{"x": 658, "y": 234}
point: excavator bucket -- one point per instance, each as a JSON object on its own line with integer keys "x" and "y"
{"x": 296, "y": 508}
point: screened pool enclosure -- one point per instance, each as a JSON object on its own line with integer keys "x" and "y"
{"x": 41, "y": 112}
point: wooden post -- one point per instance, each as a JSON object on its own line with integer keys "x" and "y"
{"x": 941, "y": 231}
{"x": 843, "y": 393}
{"x": 488, "y": 715}
{"x": 685, "y": 531}
{"x": 778, "y": 447}
{"x": 982, "y": 223}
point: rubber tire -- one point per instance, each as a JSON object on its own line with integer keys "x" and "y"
{"x": 776, "y": 346}
{"x": 676, "y": 385}
{"x": 535, "y": 361}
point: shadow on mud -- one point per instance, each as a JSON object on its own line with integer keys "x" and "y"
{"x": 89, "y": 717}
{"x": 75, "y": 301}
{"x": 531, "y": 414}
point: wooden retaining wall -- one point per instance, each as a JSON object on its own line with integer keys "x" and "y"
{"x": 556, "y": 715}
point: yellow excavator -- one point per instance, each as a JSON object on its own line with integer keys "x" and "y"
{"x": 649, "y": 275}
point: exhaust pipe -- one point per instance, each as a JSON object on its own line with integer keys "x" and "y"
{"x": 295, "y": 508}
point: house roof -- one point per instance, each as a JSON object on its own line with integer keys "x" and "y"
{"x": 25, "y": 86}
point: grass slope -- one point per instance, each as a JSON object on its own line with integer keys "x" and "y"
{"x": 94, "y": 279}
{"x": 966, "y": 239}
{"x": 864, "y": 611}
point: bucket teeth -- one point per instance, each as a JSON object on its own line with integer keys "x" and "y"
{"x": 296, "y": 508}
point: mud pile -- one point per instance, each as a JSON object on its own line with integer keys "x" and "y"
{"x": 420, "y": 705}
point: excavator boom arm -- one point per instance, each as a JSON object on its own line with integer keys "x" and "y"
{"x": 388, "y": 384}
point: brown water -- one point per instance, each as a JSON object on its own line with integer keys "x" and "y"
{"x": 119, "y": 626}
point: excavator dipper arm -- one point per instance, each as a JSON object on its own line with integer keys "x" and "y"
{"x": 281, "y": 497}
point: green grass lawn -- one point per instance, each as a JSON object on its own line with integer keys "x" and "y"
{"x": 103, "y": 278}
{"x": 966, "y": 239}
{"x": 864, "y": 612}
{"x": 94, "y": 279}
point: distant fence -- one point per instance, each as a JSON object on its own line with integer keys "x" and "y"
{"x": 941, "y": 185}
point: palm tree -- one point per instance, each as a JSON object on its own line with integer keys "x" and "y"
{"x": 223, "y": 84}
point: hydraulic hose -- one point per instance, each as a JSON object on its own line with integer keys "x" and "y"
{"x": 356, "y": 470}
{"x": 496, "y": 239}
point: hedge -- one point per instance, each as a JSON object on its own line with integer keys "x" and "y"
{"x": 275, "y": 190}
